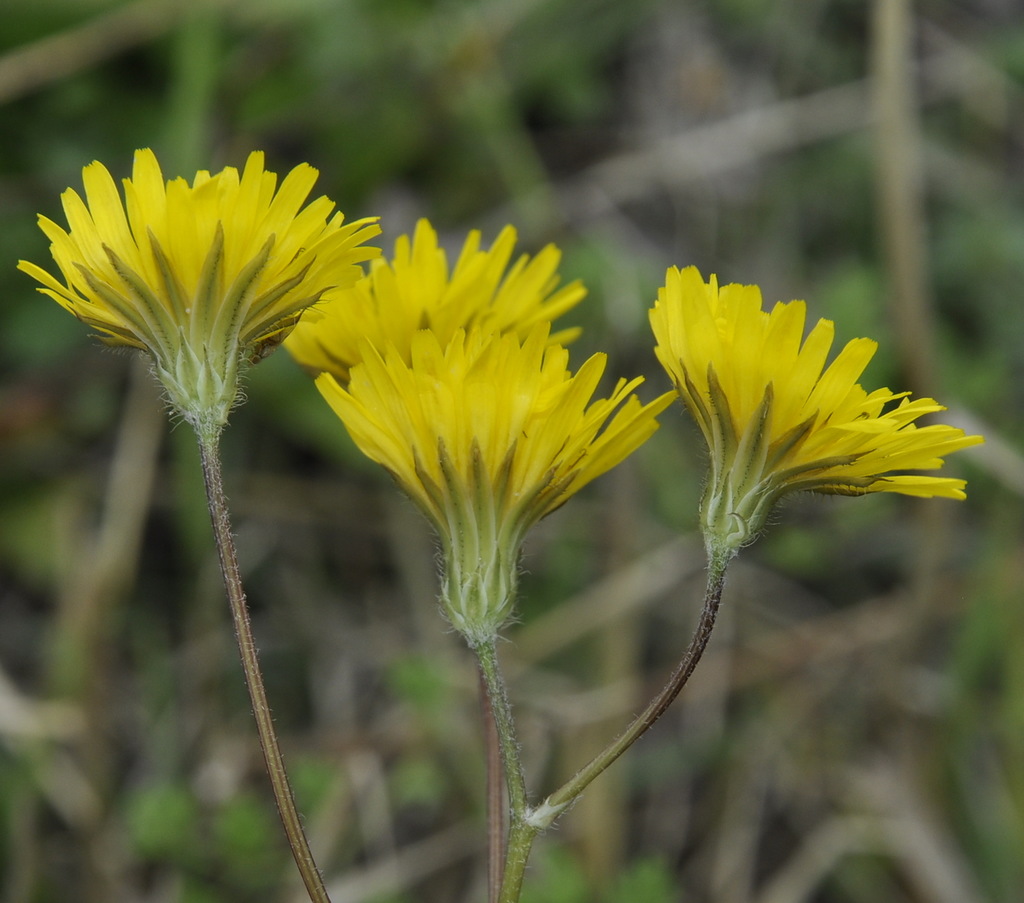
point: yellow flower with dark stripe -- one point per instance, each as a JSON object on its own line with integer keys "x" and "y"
{"x": 777, "y": 418}
{"x": 487, "y": 434}
{"x": 203, "y": 276}
{"x": 416, "y": 290}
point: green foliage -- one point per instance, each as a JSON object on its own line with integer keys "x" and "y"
{"x": 418, "y": 781}
{"x": 985, "y": 722}
{"x": 561, "y": 878}
{"x": 246, "y": 837}
{"x": 312, "y": 780}
{"x": 422, "y": 683}
{"x": 163, "y": 823}
{"x": 238, "y": 841}
{"x": 649, "y": 880}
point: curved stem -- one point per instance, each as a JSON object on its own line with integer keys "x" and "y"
{"x": 556, "y": 803}
{"x": 208, "y": 449}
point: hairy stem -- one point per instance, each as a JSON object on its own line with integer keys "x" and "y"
{"x": 520, "y": 841}
{"x": 520, "y": 833}
{"x": 495, "y": 796}
{"x": 208, "y": 448}
{"x": 546, "y": 813}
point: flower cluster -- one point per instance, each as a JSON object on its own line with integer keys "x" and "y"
{"x": 452, "y": 379}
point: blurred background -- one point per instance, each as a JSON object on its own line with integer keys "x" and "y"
{"x": 856, "y": 730}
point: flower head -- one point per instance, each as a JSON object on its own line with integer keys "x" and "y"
{"x": 776, "y": 419}
{"x": 415, "y": 290}
{"x": 203, "y": 277}
{"x": 487, "y": 434}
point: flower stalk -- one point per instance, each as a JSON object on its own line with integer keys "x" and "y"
{"x": 272, "y": 756}
{"x": 495, "y": 795}
{"x": 521, "y": 832}
{"x": 526, "y": 822}
{"x": 558, "y": 801}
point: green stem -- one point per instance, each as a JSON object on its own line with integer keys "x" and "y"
{"x": 521, "y": 831}
{"x": 208, "y": 449}
{"x": 557, "y": 802}
{"x": 487, "y": 656}
{"x": 520, "y": 841}
{"x": 495, "y": 796}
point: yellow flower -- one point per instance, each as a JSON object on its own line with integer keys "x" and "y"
{"x": 776, "y": 419}
{"x": 204, "y": 277}
{"x": 487, "y": 434}
{"x": 415, "y": 291}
